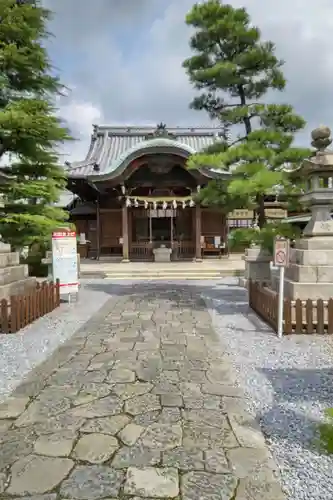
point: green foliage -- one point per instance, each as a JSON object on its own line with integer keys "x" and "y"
{"x": 33, "y": 260}
{"x": 229, "y": 56}
{"x": 234, "y": 68}
{"x": 326, "y": 432}
{"x": 35, "y": 266}
{"x": 216, "y": 194}
{"x": 243, "y": 238}
{"x": 30, "y": 131}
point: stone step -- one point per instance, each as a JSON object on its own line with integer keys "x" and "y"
{"x": 17, "y": 288}
{"x": 9, "y": 259}
{"x": 13, "y": 273}
{"x": 310, "y": 274}
{"x": 313, "y": 257}
{"x": 304, "y": 291}
{"x": 204, "y": 274}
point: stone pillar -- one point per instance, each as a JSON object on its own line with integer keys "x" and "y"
{"x": 257, "y": 266}
{"x": 125, "y": 233}
{"x": 198, "y": 253}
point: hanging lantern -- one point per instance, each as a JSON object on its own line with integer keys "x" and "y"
{"x": 136, "y": 204}
{"x": 184, "y": 204}
{"x": 174, "y": 204}
{"x": 128, "y": 202}
{"x": 192, "y": 203}
{"x": 146, "y": 204}
{"x": 165, "y": 205}
{"x": 154, "y": 205}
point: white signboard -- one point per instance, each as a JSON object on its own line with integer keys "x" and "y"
{"x": 281, "y": 252}
{"x": 64, "y": 261}
{"x": 217, "y": 241}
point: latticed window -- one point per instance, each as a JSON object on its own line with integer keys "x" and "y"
{"x": 238, "y": 223}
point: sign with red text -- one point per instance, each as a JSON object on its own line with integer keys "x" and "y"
{"x": 281, "y": 252}
{"x": 64, "y": 260}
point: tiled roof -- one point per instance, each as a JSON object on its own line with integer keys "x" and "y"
{"x": 110, "y": 146}
{"x": 65, "y": 199}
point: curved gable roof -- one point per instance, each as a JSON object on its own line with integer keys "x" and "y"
{"x": 156, "y": 145}
{"x": 111, "y": 147}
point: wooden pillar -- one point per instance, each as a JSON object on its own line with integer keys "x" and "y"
{"x": 198, "y": 253}
{"x": 125, "y": 233}
{"x": 98, "y": 229}
{"x": 150, "y": 227}
{"x": 225, "y": 234}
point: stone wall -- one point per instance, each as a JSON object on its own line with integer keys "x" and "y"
{"x": 14, "y": 277}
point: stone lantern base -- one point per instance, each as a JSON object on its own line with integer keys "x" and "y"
{"x": 310, "y": 274}
{"x": 14, "y": 279}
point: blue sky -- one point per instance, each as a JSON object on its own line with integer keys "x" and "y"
{"x": 121, "y": 60}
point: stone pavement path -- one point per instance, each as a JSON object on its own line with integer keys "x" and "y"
{"x": 139, "y": 404}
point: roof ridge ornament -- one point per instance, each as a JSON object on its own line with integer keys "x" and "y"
{"x": 160, "y": 131}
{"x": 94, "y": 133}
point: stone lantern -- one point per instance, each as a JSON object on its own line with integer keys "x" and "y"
{"x": 310, "y": 273}
{"x": 318, "y": 170}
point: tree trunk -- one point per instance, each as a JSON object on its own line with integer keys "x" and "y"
{"x": 260, "y": 210}
{"x": 246, "y": 119}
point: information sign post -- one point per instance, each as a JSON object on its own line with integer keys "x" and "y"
{"x": 64, "y": 261}
{"x": 281, "y": 260}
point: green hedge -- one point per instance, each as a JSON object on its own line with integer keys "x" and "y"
{"x": 244, "y": 238}
{"x": 326, "y": 433}
{"x": 35, "y": 266}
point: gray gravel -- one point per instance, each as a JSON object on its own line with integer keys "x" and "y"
{"x": 21, "y": 352}
{"x": 289, "y": 383}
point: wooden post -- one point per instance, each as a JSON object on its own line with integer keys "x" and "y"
{"x": 198, "y": 253}
{"x": 98, "y": 229}
{"x": 150, "y": 227}
{"x": 125, "y": 233}
{"x": 4, "y": 316}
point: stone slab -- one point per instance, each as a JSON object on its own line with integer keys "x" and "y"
{"x": 152, "y": 482}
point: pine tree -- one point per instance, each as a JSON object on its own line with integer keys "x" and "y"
{"x": 30, "y": 131}
{"x": 235, "y": 69}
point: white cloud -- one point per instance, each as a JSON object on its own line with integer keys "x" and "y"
{"x": 122, "y": 60}
{"x": 79, "y": 117}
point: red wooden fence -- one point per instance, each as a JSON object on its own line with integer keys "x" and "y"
{"x": 21, "y": 310}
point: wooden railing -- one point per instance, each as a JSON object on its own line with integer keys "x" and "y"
{"x": 299, "y": 316}
{"x": 21, "y": 310}
{"x": 141, "y": 251}
{"x": 183, "y": 249}
{"x": 308, "y": 316}
{"x": 264, "y": 302}
{"x": 144, "y": 250}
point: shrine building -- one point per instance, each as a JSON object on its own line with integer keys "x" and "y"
{"x": 134, "y": 194}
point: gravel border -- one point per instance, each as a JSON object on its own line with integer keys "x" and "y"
{"x": 23, "y": 351}
{"x": 289, "y": 382}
